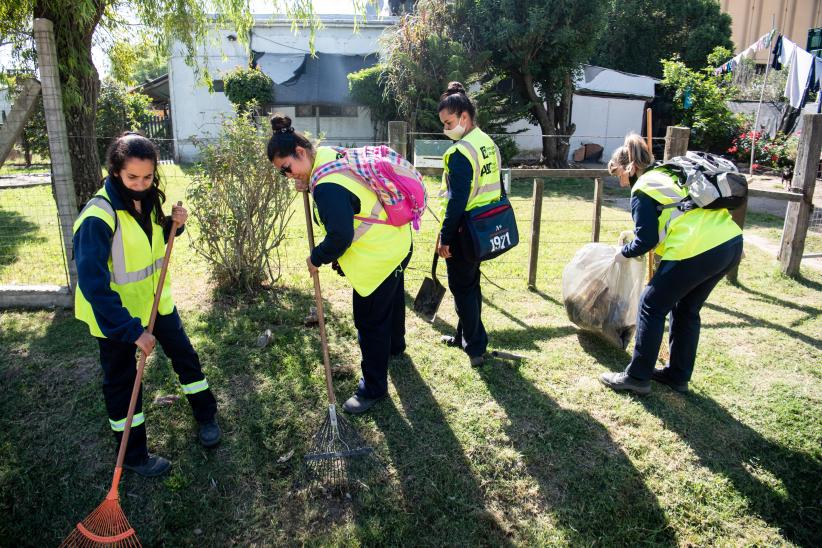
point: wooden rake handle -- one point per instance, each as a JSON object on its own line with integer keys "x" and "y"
{"x": 132, "y": 404}
{"x": 318, "y": 298}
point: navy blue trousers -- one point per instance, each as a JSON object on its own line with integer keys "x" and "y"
{"x": 380, "y": 322}
{"x": 681, "y": 288}
{"x": 118, "y": 360}
{"x": 464, "y": 283}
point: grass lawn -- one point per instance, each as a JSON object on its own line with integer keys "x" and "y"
{"x": 536, "y": 454}
{"x": 31, "y": 249}
{"x": 770, "y": 227}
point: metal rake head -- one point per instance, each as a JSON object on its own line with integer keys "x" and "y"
{"x": 105, "y": 526}
{"x": 339, "y": 456}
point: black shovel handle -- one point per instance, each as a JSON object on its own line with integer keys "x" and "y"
{"x": 434, "y": 265}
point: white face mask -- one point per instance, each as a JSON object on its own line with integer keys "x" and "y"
{"x": 456, "y": 133}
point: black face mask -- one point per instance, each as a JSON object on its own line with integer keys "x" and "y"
{"x": 138, "y": 195}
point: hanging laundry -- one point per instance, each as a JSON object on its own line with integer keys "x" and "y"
{"x": 799, "y": 77}
{"x": 763, "y": 43}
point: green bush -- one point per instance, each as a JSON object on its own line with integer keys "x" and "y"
{"x": 244, "y": 86}
{"x": 699, "y": 103}
{"x": 241, "y": 205}
{"x": 119, "y": 110}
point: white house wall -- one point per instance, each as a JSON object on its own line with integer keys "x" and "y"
{"x": 605, "y": 121}
{"x": 601, "y": 120}
{"x": 333, "y": 38}
{"x": 195, "y": 112}
{"x": 346, "y": 131}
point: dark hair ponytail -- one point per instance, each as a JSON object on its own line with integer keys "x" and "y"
{"x": 284, "y": 140}
{"x": 132, "y": 144}
{"x": 455, "y": 101}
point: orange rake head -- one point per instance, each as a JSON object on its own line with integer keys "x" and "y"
{"x": 106, "y": 526}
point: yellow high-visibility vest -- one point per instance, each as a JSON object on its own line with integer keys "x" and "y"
{"x": 486, "y": 163}
{"x": 134, "y": 263}
{"x": 683, "y": 235}
{"x": 377, "y": 249}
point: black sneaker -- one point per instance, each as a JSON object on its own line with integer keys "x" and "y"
{"x": 661, "y": 376}
{"x": 622, "y": 381}
{"x": 210, "y": 433}
{"x": 152, "y": 467}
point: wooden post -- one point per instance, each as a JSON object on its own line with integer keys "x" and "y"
{"x": 597, "y": 209}
{"x": 676, "y": 141}
{"x": 536, "y": 220}
{"x": 398, "y": 137}
{"x": 61, "y": 177}
{"x": 21, "y": 111}
{"x": 798, "y": 214}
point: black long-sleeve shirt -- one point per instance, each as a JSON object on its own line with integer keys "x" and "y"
{"x": 645, "y": 214}
{"x": 336, "y": 207}
{"x": 460, "y": 175}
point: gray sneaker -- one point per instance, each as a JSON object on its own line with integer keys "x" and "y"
{"x": 152, "y": 467}
{"x": 477, "y": 361}
{"x": 622, "y": 381}
{"x": 357, "y": 404}
{"x": 661, "y": 376}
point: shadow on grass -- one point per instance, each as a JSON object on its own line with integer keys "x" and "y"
{"x": 585, "y": 479}
{"x": 732, "y": 450}
{"x": 15, "y": 232}
{"x": 440, "y": 500}
{"x": 753, "y": 321}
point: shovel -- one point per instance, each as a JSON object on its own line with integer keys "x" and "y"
{"x": 430, "y": 294}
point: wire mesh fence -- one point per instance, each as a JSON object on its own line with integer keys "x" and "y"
{"x": 31, "y": 249}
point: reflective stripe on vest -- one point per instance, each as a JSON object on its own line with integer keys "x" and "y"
{"x": 376, "y": 249}
{"x": 683, "y": 234}
{"x": 119, "y": 426}
{"x": 486, "y": 181}
{"x": 194, "y": 387}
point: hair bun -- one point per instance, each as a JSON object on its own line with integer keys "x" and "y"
{"x": 455, "y": 87}
{"x": 281, "y": 123}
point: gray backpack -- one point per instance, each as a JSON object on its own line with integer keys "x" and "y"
{"x": 712, "y": 182}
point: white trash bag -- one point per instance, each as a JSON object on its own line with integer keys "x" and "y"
{"x": 601, "y": 295}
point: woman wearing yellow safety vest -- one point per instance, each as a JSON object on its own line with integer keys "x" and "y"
{"x": 697, "y": 246}
{"x": 471, "y": 179}
{"x": 372, "y": 256}
{"x": 119, "y": 244}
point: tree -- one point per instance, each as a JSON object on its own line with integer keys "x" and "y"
{"x": 642, "y": 32}
{"x": 421, "y": 56}
{"x": 368, "y": 88}
{"x": 119, "y": 110}
{"x": 75, "y": 21}
{"x": 699, "y": 100}
{"x": 133, "y": 64}
{"x": 248, "y": 88}
{"x": 540, "y": 46}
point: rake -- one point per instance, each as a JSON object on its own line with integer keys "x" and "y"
{"x": 338, "y": 453}
{"x": 107, "y": 524}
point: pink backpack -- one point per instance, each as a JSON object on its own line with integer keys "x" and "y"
{"x": 398, "y": 186}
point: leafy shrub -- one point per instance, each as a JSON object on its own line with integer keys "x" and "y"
{"x": 243, "y": 86}
{"x": 119, "y": 110}
{"x": 241, "y": 205}
{"x": 699, "y": 103}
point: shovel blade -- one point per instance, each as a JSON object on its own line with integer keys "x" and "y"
{"x": 429, "y": 298}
